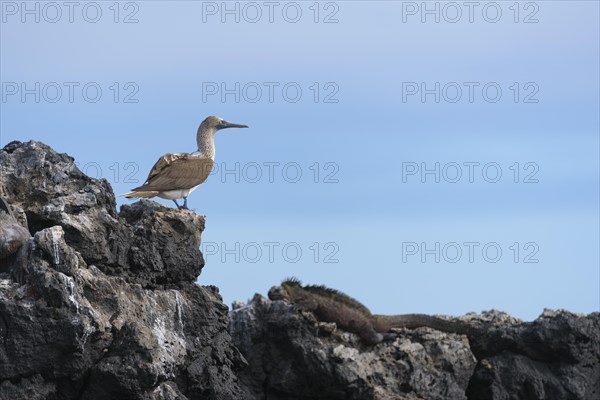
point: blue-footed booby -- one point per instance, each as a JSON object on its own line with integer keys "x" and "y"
{"x": 176, "y": 175}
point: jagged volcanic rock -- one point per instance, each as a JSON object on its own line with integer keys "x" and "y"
{"x": 293, "y": 356}
{"x": 555, "y": 357}
{"x": 105, "y": 305}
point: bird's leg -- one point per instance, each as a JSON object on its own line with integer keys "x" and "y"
{"x": 185, "y": 203}
{"x": 177, "y": 204}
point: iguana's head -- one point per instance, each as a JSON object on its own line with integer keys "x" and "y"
{"x": 285, "y": 290}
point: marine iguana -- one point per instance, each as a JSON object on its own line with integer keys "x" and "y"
{"x": 330, "y": 305}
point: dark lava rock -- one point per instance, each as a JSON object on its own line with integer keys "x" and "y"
{"x": 146, "y": 244}
{"x": 293, "y": 356}
{"x": 557, "y": 356}
{"x": 164, "y": 245}
{"x": 101, "y": 305}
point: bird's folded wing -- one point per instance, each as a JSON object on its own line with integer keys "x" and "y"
{"x": 177, "y": 171}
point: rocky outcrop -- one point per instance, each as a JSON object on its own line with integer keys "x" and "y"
{"x": 291, "y": 356}
{"x": 557, "y": 356}
{"x": 105, "y": 305}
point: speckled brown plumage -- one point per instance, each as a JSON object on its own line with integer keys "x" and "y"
{"x": 175, "y": 175}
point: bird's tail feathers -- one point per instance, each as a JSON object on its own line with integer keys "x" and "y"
{"x": 141, "y": 194}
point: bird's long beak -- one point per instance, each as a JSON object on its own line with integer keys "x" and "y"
{"x": 226, "y": 124}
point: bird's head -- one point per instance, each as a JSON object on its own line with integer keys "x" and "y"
{"x": 215, "y": 123}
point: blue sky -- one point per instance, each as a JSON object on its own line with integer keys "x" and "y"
{"x": 351, "y": 133}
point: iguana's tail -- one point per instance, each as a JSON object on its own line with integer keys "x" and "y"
{"x": 383, "y": 323}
